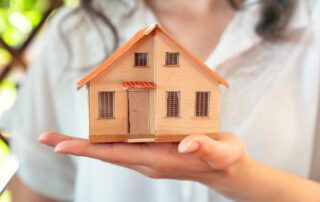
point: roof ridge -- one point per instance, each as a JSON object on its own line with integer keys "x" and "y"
{"x": 196, "y": 58}
{"x": 136, "y": 37}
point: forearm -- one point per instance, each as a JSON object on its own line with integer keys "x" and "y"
{"x": 21, "y": 193}
{"x": 249, "y": 180}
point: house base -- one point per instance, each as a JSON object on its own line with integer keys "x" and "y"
{"x": 143, "y": 138}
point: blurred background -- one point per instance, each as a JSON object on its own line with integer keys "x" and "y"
{"x": 21, "y": 21}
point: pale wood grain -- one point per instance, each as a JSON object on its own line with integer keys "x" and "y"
{"x": 139, "y": 112}
{"x": 187, "y": 77}
{"x": 160, "y": 138}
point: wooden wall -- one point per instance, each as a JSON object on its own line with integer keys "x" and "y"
{"x": 187, "y": 78}
{"x": 110, "y": 80}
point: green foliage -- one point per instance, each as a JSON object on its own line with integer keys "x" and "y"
{"x": 6, "y": 197}
{"x": 8, "y": 94}
{"x": 72, "y": 2}
{"x": 5, "y": 57}
{"x": 4, "y": 152}
{"x": 4, "y": 3}
{"x": 18, "y": 18}
{"x": 5, "y": 86}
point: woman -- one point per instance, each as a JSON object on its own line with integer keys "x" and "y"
{"x": 267, "y": 50}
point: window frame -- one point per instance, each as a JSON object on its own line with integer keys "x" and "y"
{"x": 179, "y": 105}
{"x": 103, "y": 115}
{"x": 135, "y": 64}
{"x": 172, "y": 65}
{"x": 207, "y": 114}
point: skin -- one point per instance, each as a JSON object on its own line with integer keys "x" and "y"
{"x": 206, "y": 22}
{"x": 221, "y": 163}
{"x": 21, "y": 192}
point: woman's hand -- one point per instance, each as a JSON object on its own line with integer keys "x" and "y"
{"x": 197, "y": 157}
{"x": 218, "y": 163}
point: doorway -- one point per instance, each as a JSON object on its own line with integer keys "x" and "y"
{"x": 139, "y": 115}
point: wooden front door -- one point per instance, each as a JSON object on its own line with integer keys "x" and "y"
{"x": 138, "y": 112}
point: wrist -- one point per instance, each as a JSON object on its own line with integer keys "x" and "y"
{"x": 224, "y": 179}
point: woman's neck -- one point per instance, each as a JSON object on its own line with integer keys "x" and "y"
{"x": 197, "y": 24}
{"x": 188, "y": 8}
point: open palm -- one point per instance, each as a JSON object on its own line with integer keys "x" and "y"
{"x": 195, "y": 158}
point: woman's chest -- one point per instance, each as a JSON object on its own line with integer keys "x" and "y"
{"x": 272, "y": 101}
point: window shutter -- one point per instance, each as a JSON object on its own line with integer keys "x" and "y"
{"x": 140, "y": 59}
{"x": 202, "y": 104}
{"x": 106, "y": 105}
{"x": 172, "y": 58}
{"x": 173, "y": 104}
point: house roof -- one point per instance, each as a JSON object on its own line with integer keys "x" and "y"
{"x": 138, "y": 84}
{"x": 139, "y": 35}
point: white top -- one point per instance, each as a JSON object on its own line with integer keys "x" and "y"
{"x": 271, "y": 104}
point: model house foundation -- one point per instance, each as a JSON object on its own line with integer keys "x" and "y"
{"x": 152, "y": 89}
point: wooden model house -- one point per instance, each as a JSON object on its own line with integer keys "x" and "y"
{"x": 152, "y": 89}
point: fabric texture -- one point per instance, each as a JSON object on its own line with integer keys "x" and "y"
{"x": 315, "y": 168}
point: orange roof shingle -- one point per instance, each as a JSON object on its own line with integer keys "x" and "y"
{"x": 139, "y": 35}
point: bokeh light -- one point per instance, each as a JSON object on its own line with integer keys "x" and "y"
{"x": 8, "y": 95}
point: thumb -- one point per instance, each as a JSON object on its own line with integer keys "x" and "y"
{"x": 218, "y": 153}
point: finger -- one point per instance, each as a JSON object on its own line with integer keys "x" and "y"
{"x": 116, "y": 153}
{"x": 53, "y": 138}
{"x": 217, "y": 153}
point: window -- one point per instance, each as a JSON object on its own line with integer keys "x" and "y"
{"x": 173, "y": 102}
{"x": 106, "y": 105}
{"x": 202, "y": 104}
{"x": 140, "y": 59}
{"x": 172, "y": 58}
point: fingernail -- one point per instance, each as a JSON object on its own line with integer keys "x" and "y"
{"x": 188, "y": 147}
{"x": 41, "y": 139}
{"x": 60, "y": 149}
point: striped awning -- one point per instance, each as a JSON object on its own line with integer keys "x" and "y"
{"x": 138, "y": 84}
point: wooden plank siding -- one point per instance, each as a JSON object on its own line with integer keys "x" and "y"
{"x": 122, "y": 70}
{"x": 186, "y": 77}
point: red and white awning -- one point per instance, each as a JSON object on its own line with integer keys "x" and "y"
{"x": 138, "y": 84}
